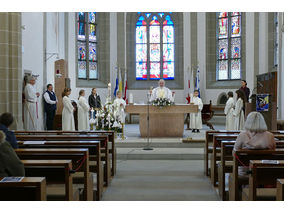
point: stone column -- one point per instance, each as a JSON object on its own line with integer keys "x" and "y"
{"x": 11, "y": 66}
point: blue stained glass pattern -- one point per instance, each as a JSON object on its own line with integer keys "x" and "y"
{"x": 236, "y": 48}
{"x": 93, "y": 73}
{"x": 154, "y": 71}
{"x": 81, "y": 31}
{"x": 168, "y": 52}
{"x": 82, "y": 69}
{"x": 161, "y": 15}
{"x": 141, "y": 52}
{"x": 154, "y": 21}
{"x": 223, "y": 49}
{"x": 141, "y": 34}
{"x": 148, "y": 15}
{"x": 141, "y": 71}
{"x": 223, "y": 28}
{"x": 154, "y": 34}
{"x": 92, "y": 17}
{"x": 236, "y": 29}
{"x": 168, "y": 70}
{"x": 168, "y": 21}
{"x": 155, "y": 52}
{"x": 92, "y": 52}
{"x": 81, "y": 16}
{"x": 168, "y": 34}
{"x": 141, "y": 21}
{"x": 92, "y": 32}
{"x": 81, "y": 51}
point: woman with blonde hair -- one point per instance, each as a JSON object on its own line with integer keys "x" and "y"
{"x": 83, "y": 112}
{"x": 255, "y": 135}
{"x": 68, "y": 123}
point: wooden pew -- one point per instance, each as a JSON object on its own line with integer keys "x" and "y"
{"x": 28, "y": 189}
{"x": 209, "y": 140}
{"x": 111, "y": 135}
{"x": 79, "y": 157}
{"x": 94, "y": 155}
{"x": 55, "y": 172}
{"x": 102, "y": 138}
{"x": 280, "y": 190}
{"x": 217, "y": 138}
{"x": 241, "y": 158}
{"x": 263, "y": 173}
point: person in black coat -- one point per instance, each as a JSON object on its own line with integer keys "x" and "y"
{"x": 6, "y": 119}
{"x": 245, "y": 89}
{"x": 94, "y": 100}
{"x": 50, "y": 102}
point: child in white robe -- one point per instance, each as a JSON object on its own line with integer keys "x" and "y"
{"x": 229, "y": 109}
{"x": 119, "y": 106}
{"x": 195, "y": 118}
{"x": 83, "y": 112}
{"x": 239, "y": 111}
{"x": 68, "y": 123}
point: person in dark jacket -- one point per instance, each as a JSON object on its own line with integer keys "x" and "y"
{"x": 94, "y": 100}
{"x": 245, "y": 89}
{"x": 10, "y": 164}
{"x": 50, "y": 102}
{"x": 6, "y": 119}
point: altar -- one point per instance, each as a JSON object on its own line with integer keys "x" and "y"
{"x": 163, "y": 122}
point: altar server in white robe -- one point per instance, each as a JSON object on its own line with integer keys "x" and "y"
{"x": 83, "y": 112}
{"x": 229, "y": 110}
{"x": 162, "y": 92}
{"x": 195, "y": 118}
{"x": 239, "y": 111}
{"x": 119, "y": 107}
{"x": 68, "y": 123}
{"x": 31, "y": 105}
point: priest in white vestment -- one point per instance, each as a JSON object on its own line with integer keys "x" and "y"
{"x": 195, "y": 118}
{"x": 161, "y": 92}
{"x": 31, "y": 105}
{"x": 83, "y": 112}
{"x": 119, "y": 107}
{"x": 229, "y": 110}
{"x": 68, "y": 123}
{"x": 239, "y": 111}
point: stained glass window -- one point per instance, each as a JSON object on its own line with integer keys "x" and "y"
{"x": 87, "y": 45}
{"x": 155, "y": 46}
{"x": 229, "y": 40}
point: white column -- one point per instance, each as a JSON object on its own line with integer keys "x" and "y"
{"x": 113, "y": 47}
{"x": 250, "y": 50}
{"x": 281, "y": 68}
{"x": 263, "y": 43}
{"x": 186, "y": 49}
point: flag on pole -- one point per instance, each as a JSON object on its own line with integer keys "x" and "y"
{"x": 197, "y": 81}
{"x": 119, "y": 81}
{"x": 125, "y": 87}
{"x": 190, "y": 85}
{"x": 116, "y": 85}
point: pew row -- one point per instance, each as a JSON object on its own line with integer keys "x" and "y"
{"x": 280, "y": 190}
{"x": 28, "y": 189}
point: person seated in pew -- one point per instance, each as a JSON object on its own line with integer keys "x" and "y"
{"x": 255, "y": 136}
{"x": 6, "y": 119}
{"x": 10, "y": 164}
{"x": 229, "y": 110}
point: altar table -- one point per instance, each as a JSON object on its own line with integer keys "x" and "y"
{"x": 163, "y": 122}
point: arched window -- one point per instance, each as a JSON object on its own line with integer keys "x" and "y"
{"x": 155, "y": 46}
{"x": 87, "y": 45}
{"x": 229, "y": 36}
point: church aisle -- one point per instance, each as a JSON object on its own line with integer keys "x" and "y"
{"x": 160, "y": 180}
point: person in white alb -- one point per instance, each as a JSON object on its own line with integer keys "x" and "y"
{"x": 31, "y": 105}
{"x": 229, "y": 110}
{"x": 50, "y": 102}
{"x": 239, "y": 111}
{"x": 162, "y": 92}
{"x": 195, "y": 118}
{"x": 68, "y": 123}
{"x": 83, "y": 112}
{"x": 119, "y": 106}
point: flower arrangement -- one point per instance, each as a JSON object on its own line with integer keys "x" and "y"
{"x": 162, "y": 102}
{"x": 106, "y": 119}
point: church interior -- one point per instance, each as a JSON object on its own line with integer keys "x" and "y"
{"x": 161, "y": 128}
